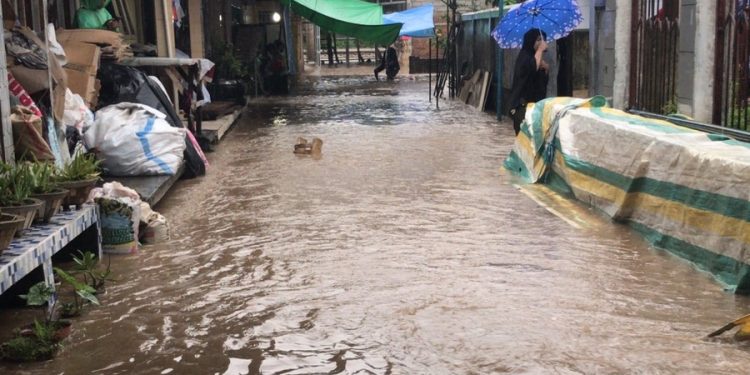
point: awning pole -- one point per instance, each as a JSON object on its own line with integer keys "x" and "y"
{"x": 429, "y": 69}
{"x": 499, "y": 64}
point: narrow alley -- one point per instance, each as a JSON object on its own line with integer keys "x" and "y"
{"x": 404, "y": 249}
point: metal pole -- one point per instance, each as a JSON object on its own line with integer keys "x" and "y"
{"x": 437, "y": 80}
{"x": 50, "y": 56}
{"x": 7, "y": 129}
{"x": 347, "y": 51}
{"x": 499, "y": 64}
{"x": 429, "y": 68}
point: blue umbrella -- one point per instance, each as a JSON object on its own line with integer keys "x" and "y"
{"x": 557, "y": 18}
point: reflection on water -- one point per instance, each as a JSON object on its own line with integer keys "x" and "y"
{"x": 403, "y": 250}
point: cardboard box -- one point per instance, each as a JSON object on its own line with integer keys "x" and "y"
{"x": 85, "y": 85}
{"x": 83, "y": 57}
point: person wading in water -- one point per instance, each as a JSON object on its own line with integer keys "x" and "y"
{"x": 389, "y": 63}
{"x": 530, "y": 76}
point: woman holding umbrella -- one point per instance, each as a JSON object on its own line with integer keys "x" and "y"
{"x": 530, "y": 76}
{"x": 540, "y": 18}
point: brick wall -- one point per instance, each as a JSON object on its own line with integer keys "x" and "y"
{"x": 420, "y": 47}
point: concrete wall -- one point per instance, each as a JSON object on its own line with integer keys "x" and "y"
{"x": 686, "y": 57}
{"x": 603, "y": 49}
{"x": 695, "y": 65}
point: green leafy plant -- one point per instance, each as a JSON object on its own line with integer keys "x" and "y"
{"x": 42, "y": 340}
{"x": 39, "y": 295}
{"x": 38, "y": 342}
{"x": 670, "y": 107}
{"x": 82, "y": 294}
{"x": 82, "y": 167}
{"x": 87, "y": 264}
{"x": 16, "y": 184}
{"x": 27, "y": 349}
{"x": 228, "y": 66}
{"x": 6, "y": 184}
{"x": 42, "y": 177}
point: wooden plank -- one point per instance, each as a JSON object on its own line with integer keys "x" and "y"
{"x": 484, "y": 91}
{"x": 195, "y": 14}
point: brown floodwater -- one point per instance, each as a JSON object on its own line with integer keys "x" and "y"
{"x": 404, "y": 249}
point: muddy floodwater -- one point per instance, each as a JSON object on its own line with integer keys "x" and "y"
{"x": 404, "y": 249}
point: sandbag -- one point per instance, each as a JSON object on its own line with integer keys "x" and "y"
{"x": 134, "y": 140}
{"x": 28, "y": 136}
{"x": 119, "y": 217}
{"x": 17, "y": 91}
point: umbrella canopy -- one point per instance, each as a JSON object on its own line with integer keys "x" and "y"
{"x": 418, "y": 22}
{"x": 354, "y": 18}
{"x": 557, "y": 18}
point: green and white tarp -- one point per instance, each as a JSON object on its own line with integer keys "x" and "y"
{"x": 354, "y": 18}
{"x": 684, "y": 190}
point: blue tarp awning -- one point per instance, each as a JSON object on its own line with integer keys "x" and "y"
{"x": 418, "y": 22}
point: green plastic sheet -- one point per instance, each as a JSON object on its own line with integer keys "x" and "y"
{"x": 354, "y": 18}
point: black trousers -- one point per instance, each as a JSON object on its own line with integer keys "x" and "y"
{"x": 518, "y": 116}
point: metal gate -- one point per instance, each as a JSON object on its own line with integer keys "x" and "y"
{"x": 732, "y": 59}
{"x": 653, "y": 64}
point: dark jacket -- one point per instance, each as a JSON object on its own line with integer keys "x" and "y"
{"x": 529, "y": 83}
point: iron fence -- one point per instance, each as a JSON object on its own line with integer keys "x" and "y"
{"x": 654, "y": 52}
{"x": 732, "y": 59}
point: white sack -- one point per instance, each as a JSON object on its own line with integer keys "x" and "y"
{"x": 134, "y": 139}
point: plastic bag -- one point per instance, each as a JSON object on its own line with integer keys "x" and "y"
{"x": 155, "y": 226}
{"x": 135, "y": 140}
{"x": 77, "y": 113}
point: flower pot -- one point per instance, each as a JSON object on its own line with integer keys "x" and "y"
{"x": 28, "y": 349}
{"x": 9, "y": 224}
{"x": 78, "y": 192}
{"x": 51, "y": 202}
{"x": 62, "y": 327}
{"x": 27, "y": 211}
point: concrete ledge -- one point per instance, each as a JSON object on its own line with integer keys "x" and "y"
{"x": 215, "y": 130}
{"x": 684, "y": 190}
{"x": 151, "y": 188}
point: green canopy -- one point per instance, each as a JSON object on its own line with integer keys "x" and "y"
{"x": 354, "y": 18}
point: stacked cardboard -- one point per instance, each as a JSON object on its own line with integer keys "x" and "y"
{"x": 81, "y": 69}
{"x": 112, "y": 45}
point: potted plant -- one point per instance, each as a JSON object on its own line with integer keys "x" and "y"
{"x": 88, "y": 265}
{"x": 14, "y": 198}
{"x": 82, "y": 294}
{"x": 42, "y": 339}
{"x": 9, "y": 223}
{"x": 79, "y": 177}
{"x": 45, "y": 189}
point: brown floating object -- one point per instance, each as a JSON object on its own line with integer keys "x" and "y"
{"x": 305, "y": 148}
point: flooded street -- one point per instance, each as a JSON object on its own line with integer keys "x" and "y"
{"x": 404, "y": 249}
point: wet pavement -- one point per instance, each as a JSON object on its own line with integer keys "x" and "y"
{"x": 404, "y": 249}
